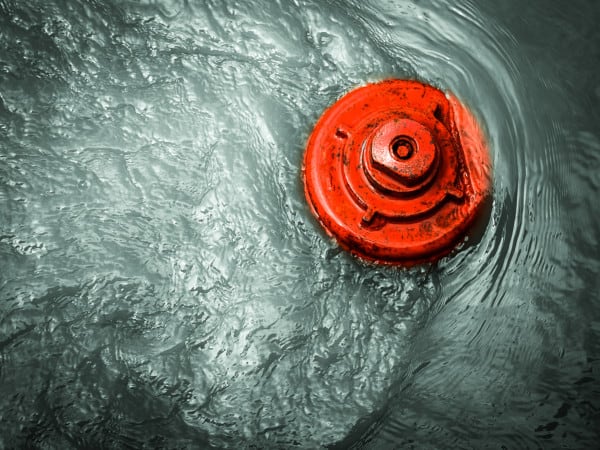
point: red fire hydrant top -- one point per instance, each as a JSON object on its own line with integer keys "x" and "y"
{"x": 397, "y": 172}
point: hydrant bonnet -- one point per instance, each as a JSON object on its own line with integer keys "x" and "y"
{"x": 397, "y": 172}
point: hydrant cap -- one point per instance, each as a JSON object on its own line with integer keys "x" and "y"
{"x": 397, "y": 172}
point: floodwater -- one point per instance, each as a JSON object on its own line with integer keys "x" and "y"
{"x": 163, "y": 284}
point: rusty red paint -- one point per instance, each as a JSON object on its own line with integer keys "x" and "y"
{"x": 397, "y": 172}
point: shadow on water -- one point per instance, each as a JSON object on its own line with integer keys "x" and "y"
{"x": 163, "y": 283}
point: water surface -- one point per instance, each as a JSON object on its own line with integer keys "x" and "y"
{"x": 163, "y": 284}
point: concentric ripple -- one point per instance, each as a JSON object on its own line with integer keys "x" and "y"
{"x": 163, "y": 284}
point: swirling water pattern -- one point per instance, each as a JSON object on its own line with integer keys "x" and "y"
{"x": 163, "y": 283}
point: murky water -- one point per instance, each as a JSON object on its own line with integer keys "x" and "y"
{"x": 163, "y": 283}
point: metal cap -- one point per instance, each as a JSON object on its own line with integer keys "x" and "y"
{"x": 397, "y": 172}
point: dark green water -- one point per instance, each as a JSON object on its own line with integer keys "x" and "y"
{"x": 163, "y": 284}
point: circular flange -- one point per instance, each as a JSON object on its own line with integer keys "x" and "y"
{"x": 397, "y": 172}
